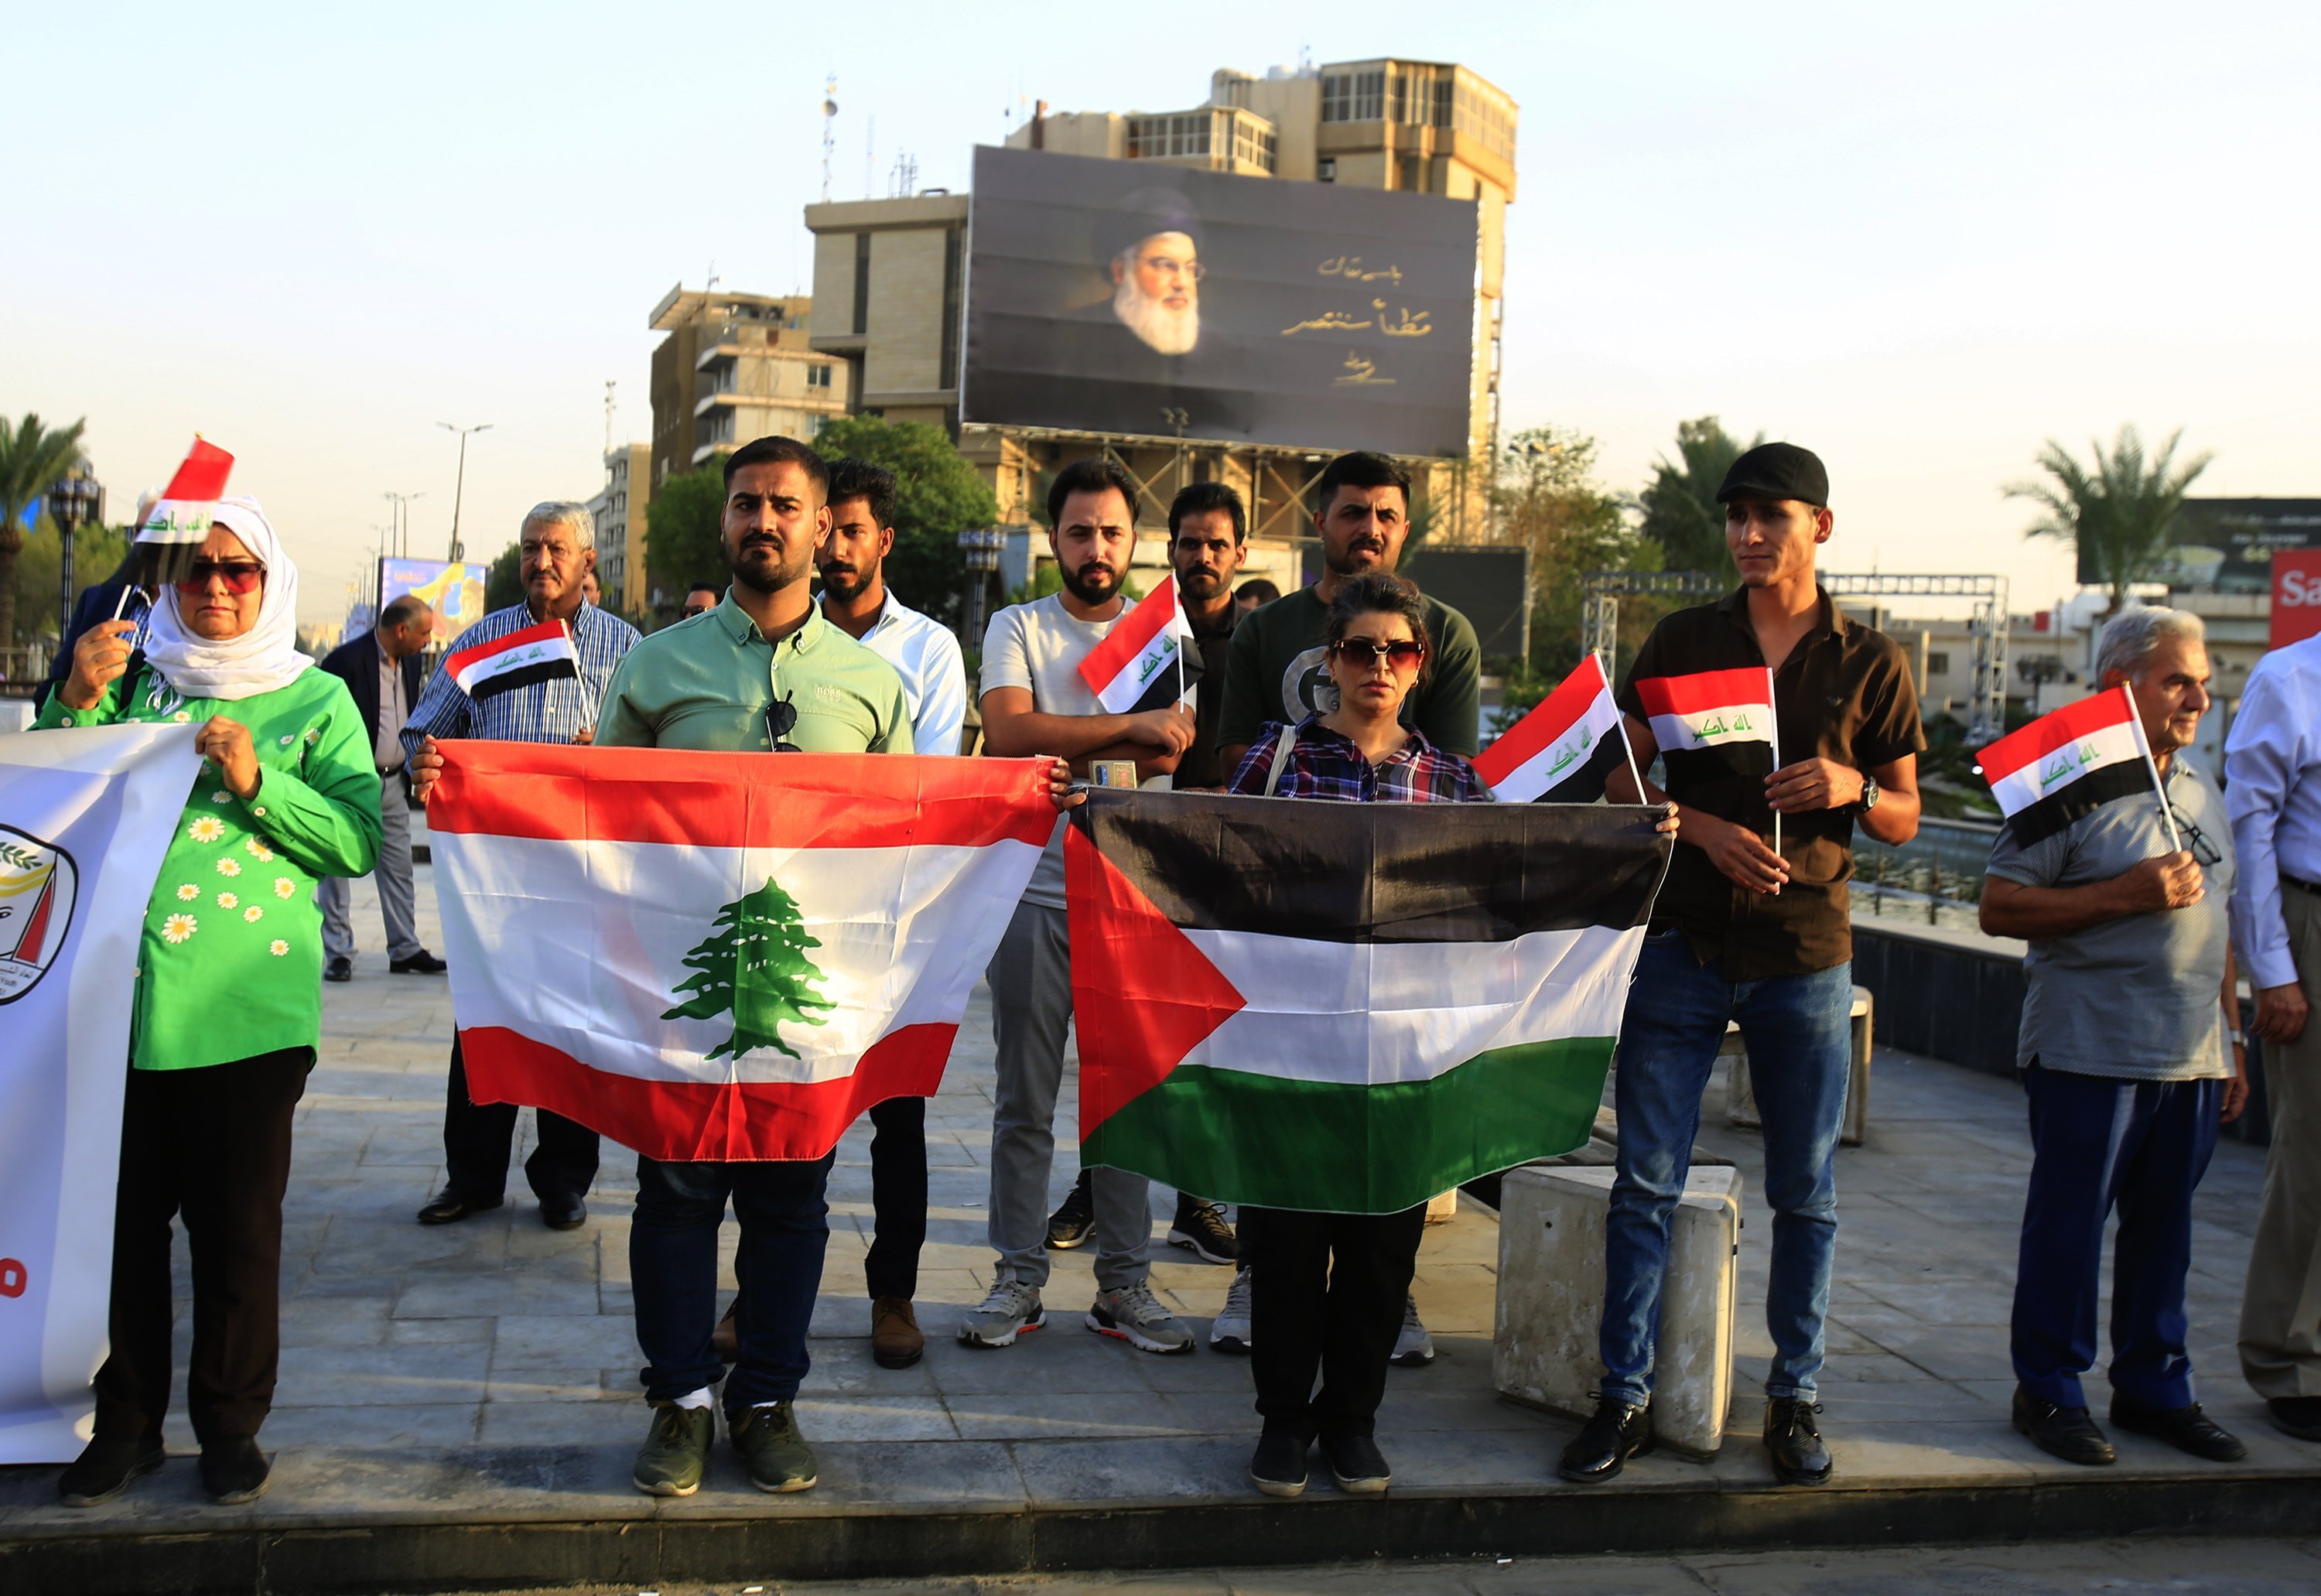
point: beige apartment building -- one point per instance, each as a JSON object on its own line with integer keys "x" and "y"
{"x": 888, "y": 273}
{"x": 736, "y": 367}
{"x": 620, "y": 513}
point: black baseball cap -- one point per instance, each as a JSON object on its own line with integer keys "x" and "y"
{"x": 1777, "y": 470}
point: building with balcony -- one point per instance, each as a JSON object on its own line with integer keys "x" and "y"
{"x": 619, "y": 512}
{"x": 736, "y": 367}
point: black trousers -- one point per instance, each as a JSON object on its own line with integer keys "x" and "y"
{"x": 477, "y": 1137}
{"x": 212, "y": 1147}
{"x": 1325, "y": 1296}
{"x": 898, "y": 1196}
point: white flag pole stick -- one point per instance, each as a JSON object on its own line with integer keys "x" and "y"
{"x": 1775, "y": 731}
{"x": 1178, "y": 628}
{"x": 2159, "y": 787}
{"x": 587, "y": 693}
{"x": 1620, "y": 725}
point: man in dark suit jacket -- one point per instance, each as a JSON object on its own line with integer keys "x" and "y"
{"x": 382, "y": 669}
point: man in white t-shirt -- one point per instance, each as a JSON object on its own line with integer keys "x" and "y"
{"x": 1035, "y": 703}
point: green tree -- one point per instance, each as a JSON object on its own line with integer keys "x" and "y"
{"x": 937, "y": 496}
{"x": 2120, "y": 516}
{"x": 31, "y": 458}
{"x": 503, "y": 582}
{"x": 682, "y": 527}
{"x": 1546, "y": 498}
{"x": 755, "y": 967}
{"x": 39, "y": 570}
{"x": 1680, "y": 505}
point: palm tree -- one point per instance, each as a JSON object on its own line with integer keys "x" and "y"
{"x": 1680, "y": 512}
{"x": 2121, "y": 515}
{"x": 32, "y": 459}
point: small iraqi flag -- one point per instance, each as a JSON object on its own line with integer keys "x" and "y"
{"x": 1562, "y": 752}
{"x": 1347, "y": 1007}
{"x": 544, "y": 652}
{"x": 2065, "y": 764}
{"x": 1137, "y": 666}
{"x": 175, "y": 528}
{"x": 1721, "y": 715}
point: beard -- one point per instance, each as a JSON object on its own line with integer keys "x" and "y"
{"x": 844, "y": 585}
{"x": 1358, "y": 558}
{"x": 1169, "y": 332}
{"x": 1092, "y": 583}
{"x": 758, "y": 565}
{"x": 1200, "y": 584}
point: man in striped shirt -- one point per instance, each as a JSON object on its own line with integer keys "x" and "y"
{"x": 559, "y": 543}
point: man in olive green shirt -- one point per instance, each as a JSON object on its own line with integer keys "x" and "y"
{"x": 763, "y": 670}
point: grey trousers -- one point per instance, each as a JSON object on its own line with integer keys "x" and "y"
{"x": 1031, "y": 1006}
{"x": 2280, "y": 1306}
{"x": 396, "y": 904}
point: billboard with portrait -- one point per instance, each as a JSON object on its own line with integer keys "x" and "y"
{"x": 2226, "y": 545}
{"x": 454, "y": 590}
{"x": 1130, "y": 296}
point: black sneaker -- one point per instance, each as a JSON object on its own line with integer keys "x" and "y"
{"x": 1278, "y": 1469}
{"x": 234, "y": 1471}
{"x": 1614, "y": 1433}
{"x": 1074, "y": 1219}
{"x": 105, "y": 1468}
{"x": 1358, "y": 1466}
{"x": 1200, "y": 1228}
{"x": 1794, "y": 1442}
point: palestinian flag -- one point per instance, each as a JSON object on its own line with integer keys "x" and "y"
{"x": 1347, "y": 1007}
{"x": 1720, "y": 717}
{"x": 2065, "y": 764}
{"x": 1136, "y": 666}
{"x": 1562, "y": 752}
{"x": 539, "y": 654}
{"x": 721, "y": 956}
{"x": 177, "y": 524}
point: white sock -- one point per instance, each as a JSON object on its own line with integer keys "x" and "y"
{"x": 695, "y": 1398}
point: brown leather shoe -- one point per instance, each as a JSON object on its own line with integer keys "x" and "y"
{"x": 896, "y": 1342}
{"x": 725, "y": 1341}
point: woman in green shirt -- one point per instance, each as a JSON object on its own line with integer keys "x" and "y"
{"x": 227, "y": 1005}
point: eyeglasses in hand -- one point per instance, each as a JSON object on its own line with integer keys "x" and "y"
{"x": 781, "y": 720}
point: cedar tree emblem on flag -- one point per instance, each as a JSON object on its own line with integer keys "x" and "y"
{"x": 755, "y": 968}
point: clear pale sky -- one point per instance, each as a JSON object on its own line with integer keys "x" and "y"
{"x": 1918, "y": 241}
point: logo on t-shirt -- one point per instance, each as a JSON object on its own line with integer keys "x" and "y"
{"x": 1306, "y": 687}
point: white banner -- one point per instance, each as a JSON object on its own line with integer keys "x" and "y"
{"x": 86, "y": 816}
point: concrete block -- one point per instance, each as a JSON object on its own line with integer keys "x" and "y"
{"x": 1552, "y": 1221}
{"x": 1741, "y": 1101}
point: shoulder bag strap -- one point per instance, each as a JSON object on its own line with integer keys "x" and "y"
{"x": 1283, "y": 746}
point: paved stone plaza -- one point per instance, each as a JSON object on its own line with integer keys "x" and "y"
{"x": 486, "y": 1371}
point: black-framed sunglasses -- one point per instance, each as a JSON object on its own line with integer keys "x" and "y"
{"x": 1403, "y": 654}
{"x": 2203, "y": 851}
{"x": 781, "y": 720}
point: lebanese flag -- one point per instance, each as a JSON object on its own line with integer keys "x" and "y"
{"x": 721, "y": 956}
{"x": 1347, "y": 1007}
{"x": 539, "y": 654}
{"x": 2065, "y": 764}
{"x": 176, "y": 527}
{"x": 1135, "y": 667}
{"x": 1562, "y": 752}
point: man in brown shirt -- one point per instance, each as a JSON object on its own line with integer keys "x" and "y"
{"x": 1745, "y": 932}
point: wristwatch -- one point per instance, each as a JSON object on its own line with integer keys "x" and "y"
{"x": 1869, "y": 796}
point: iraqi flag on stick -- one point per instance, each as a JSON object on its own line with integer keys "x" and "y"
{"x": 721, "y": 956}
{"x": 1347, "y": 1007}
{"x": 1143, "y": 662}
{"x": 1564, "y": 750}
{"x": 176, "y": 527}
{"x": 2068, "y": 763}
{"x": 539, "y": 654}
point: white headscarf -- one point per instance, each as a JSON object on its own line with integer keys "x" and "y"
{"x": 262, "y": 659}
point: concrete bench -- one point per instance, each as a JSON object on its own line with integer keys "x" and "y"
{"x": 1741, "y": 1101}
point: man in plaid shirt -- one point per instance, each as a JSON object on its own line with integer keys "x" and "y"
{"x": 558, "y": 548}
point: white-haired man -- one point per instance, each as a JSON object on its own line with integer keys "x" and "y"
{"x": 2272, "y": 769}
{"x": 558, "y": 548}
{"x": 2125, "y": 903}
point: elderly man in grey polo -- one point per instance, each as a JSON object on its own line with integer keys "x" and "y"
{"x": 2123, "y": 1053}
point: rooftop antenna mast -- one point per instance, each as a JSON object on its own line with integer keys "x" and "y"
{"x": 610, "y": 384}
{"x": 829, "y": 130}
{"x": 869, "y": 155}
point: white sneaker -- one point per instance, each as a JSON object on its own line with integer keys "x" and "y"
{"x": 1228, "y": 1331}
{"x": 1011, "y": 1309}
{"x": 1136, "y": 1316}
{"x": 1413, "y": 1348}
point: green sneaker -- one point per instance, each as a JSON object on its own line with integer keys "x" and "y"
{"x": 767, "y": 1441}
{"x": 676, "y": 1451}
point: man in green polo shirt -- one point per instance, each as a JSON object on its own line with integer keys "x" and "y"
{"x": 762, "y": 672}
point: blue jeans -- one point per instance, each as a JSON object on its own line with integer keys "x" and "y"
{"x": 1799, "y": 1031}
{"x": 2099, "y": 1144}
{"x": 673, "y": 1268}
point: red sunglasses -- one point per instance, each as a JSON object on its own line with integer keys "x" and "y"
{"x": 240, "y": 576}
{"x": 1403, "y": 655}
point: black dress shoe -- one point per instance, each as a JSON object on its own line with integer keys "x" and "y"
{"x": 2068, "y": 1432}
{"x": 1794, "y": 1441}
{"x": 450, "y": 1208}
{"x": 234, "y": 1471}
{"x": 105, "y": 1468}
{"x": 2187, "y": 1429}
{"x": 1357, "y": 1465}
{"x": 422, "y": 962}
{"x": 2295, "y": 1416}
{"x": 1278, "y": 1469}
{"x": 564, "y": 1214}
{"x": 339, "y": 969}
{"x": 1616, "y": 1434}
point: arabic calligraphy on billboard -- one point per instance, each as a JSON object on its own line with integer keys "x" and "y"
{"x": 1134, "y": 298}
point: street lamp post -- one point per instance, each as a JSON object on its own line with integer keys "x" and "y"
{"x": 402, "y": 518}
{"x": 459, "y": 489}
{"x": 71, "y": 503}
{"x": 981, "y": 546}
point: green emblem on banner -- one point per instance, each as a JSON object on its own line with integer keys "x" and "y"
{"x": 755, "y": 966}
